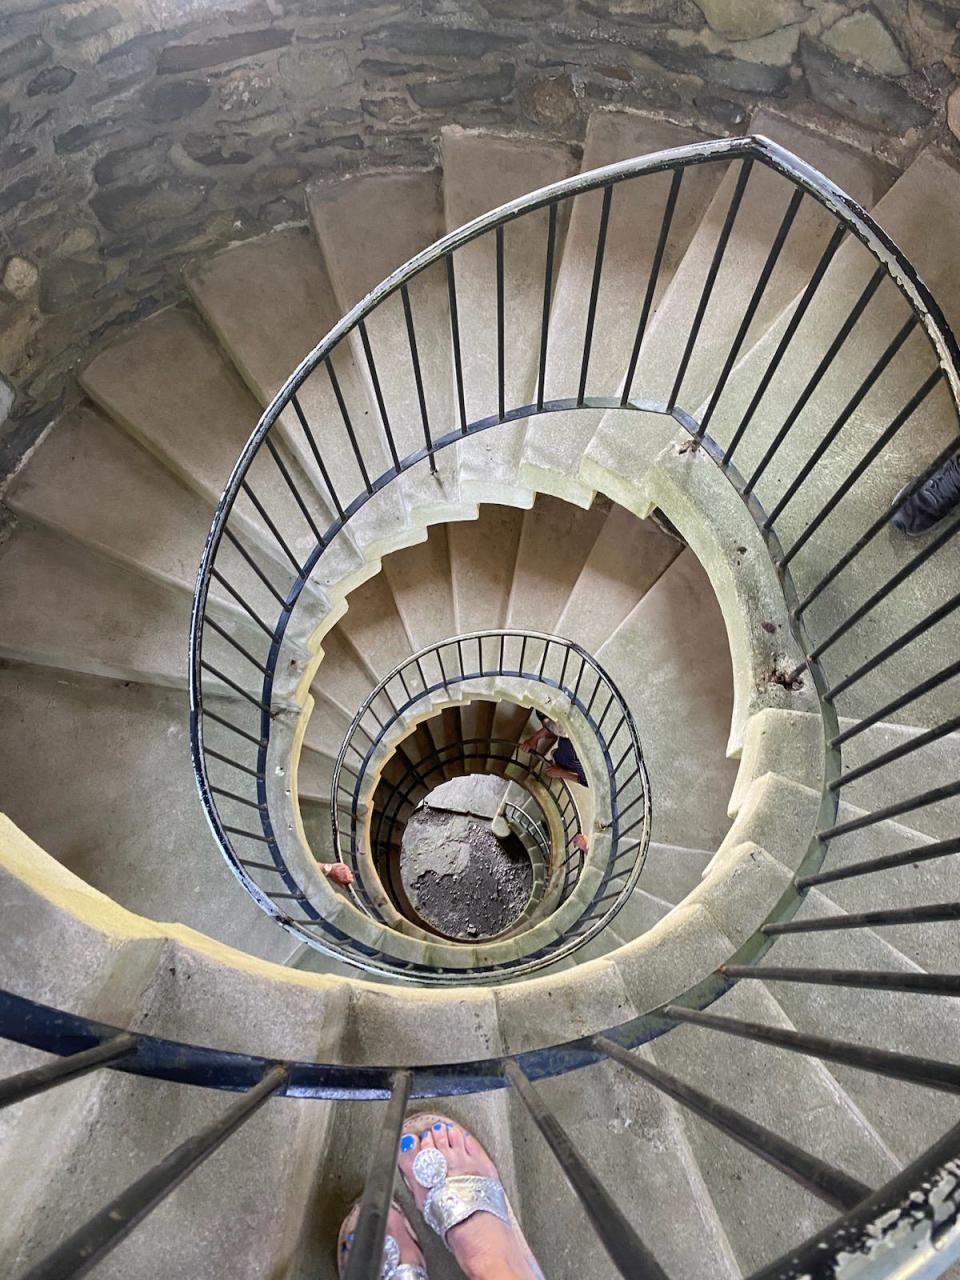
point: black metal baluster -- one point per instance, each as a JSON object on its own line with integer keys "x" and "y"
{"x": 366, "y": 1255}
{"x": 244, "y": 604}
{"x": 882, "y": 1062}
{"x": 235, "y": 764}
{"x": 235, "y": 542}
{"x": 897, "y": 704}
{"x": 594, "y": 292}
{"x": 232, "y": 795}
{"x": 826, "y": 360}
{"x": 773, "y": 257}
{"x": 929, "y": 984}
{"x": 722, "y": 239}
{"x": 261, "y": 511}
{"x": 455, "y": 339}
{"x": 794, "y": 323}
{"x": 821, "y": 1179}
{"x": 221, "y": 631}
{"x": 866, "y": 386}
{"x": 501, "y": 371}
{"x": 893, "y": 810}
{"x": 104, "y": 1231}
{"x": 935, "y": 913}
{"x": 879, "y": 523}
{"x": 897, "y": 753}
{"x": 212, "y": 715}
{"x": 547, "y": 297}
{"x": 872, "y": 453}
{"x": 294, "y": 491}
{"x": 890, "y": 585}
{"x": 347, "y": 423}
{"x": 417, "y": 375}
{"x": 70, "y": 1067}
{"x": 652, "y": 281}
{"x": 901, "y": 641}
{"x": 868, "y": 866}
{"x": 215, "y": 671}
{"x": 317, "y": 457}
{"x": 627, "y": 1251}
{"x": 378, "y": 393}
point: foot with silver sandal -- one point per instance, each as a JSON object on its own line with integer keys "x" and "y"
{"x": 402, "y": 1256}
{"x": 457, "y": 1189}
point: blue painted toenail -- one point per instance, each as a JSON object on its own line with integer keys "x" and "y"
{"x": 449, "y": 1126}
{"x": 425, "y": 1134}
{"x": 350, "y": 1237}
{"x": 438, "y": 1125}
{"x": 406, "y": 1142}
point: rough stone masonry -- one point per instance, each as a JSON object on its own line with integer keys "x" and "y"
{"x": 135, "y": 134}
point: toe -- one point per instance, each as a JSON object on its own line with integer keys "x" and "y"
{"x": 455, "y": 1138}
{"x": 409, "y": 1146}
{"x": 441, "y": 1138}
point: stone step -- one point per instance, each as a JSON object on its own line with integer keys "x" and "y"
{"x": 482, "y": 170}
{"x": 755, "y": 1080}
{"x": 630, "y": 1135}
{"x": 670, "y": 872}
{"x": 555, "y": 540}
{"x": 626, "y": 560}
{"x": 482, "y": 560}
{"x": 554, "y": 445}
{"x": 420, "y": 579}
{"x": 918, "y": 771}
{"x": 670, "y": 661}
{"x": 763, "y": 205}
{"x": 919, "y": 210}
{"x": 296, "y": 307}
{"x": 367, "y": 226}
{"x": 908, "y": 1120}
{"x": 140, "y": 834}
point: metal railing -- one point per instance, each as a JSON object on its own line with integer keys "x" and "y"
{"x": 394, "y": 802}
{"x": 837, "y": 577}
{"x": 533, "y": 663}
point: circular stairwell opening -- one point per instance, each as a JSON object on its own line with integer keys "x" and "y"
{"x": 465, "y": 869}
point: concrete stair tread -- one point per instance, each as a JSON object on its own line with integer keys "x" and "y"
{"x": 670, "y": 871}
{"x": 555, "y": 541}
{"x": 482, "y": 559}
{"x": 482, "y": 170}
{"x": 908, "y": 1120}
{"x": 676, "y": 682}
{"x": 822, "y": 1120}
{"x": 555, "y": 444}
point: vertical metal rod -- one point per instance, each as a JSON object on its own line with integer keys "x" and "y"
{"x": 841, "y": 421}
{"x": 627, "y": 1251}
{"x": 594, "y": 291}
{"x": 821, "y": 1179}
{"x": 417, "y": 375}
{"x": 70, "y": 1067}
{"x": 295, "y": 492}
{"x": 314, "y": 449}
{"x": 239, "y": 547}
{"x": 875, "y": 449}
{"x": 857, "y": 310}
{"x": 348, "y": 425}
{"x": 501, "y": 372}
{"x": 455, "y": 339}
{"x": 563, "y": 670}
{"x": 547, "y": 296}
{"x": 366, "y": 1255}
{"x": 726, "y": 229}
{"x": 523, "y": 652}
{"x": 879, "y": 523}
{"x": 250, "y": 611}
{"x": 244, "y": 485}
{"x": 897, "y": 704}
{"x": 897, "y": 753}
{"x": 81, "y": 1251}
{"x": 773, "y": 257}
{"x": 794, "y": 323}
{"x": 378, "y": 392}
{"x": 652, "y": 282}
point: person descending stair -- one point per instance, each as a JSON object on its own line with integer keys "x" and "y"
{"x": 552, "y": 743}
{"x": 459, "y": 1194}
{"x": 929, "y": 509}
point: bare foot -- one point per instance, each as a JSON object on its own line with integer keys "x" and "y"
{"x": 397, "y": 1226}
{"x": 485, "y": 1247}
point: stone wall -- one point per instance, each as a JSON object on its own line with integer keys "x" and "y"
{"x": 135, "y": 134}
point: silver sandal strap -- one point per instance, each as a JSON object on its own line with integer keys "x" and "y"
{"x": 394, "y": 1269}
{"x": 456, "y": 1199}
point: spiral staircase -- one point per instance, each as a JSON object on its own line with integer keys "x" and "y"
{"x": 656, "y": 415}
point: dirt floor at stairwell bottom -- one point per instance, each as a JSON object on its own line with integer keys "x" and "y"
{"x": 460, "y": 877}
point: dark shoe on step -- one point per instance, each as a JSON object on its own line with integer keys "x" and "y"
{"x": 928, "y": 510}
